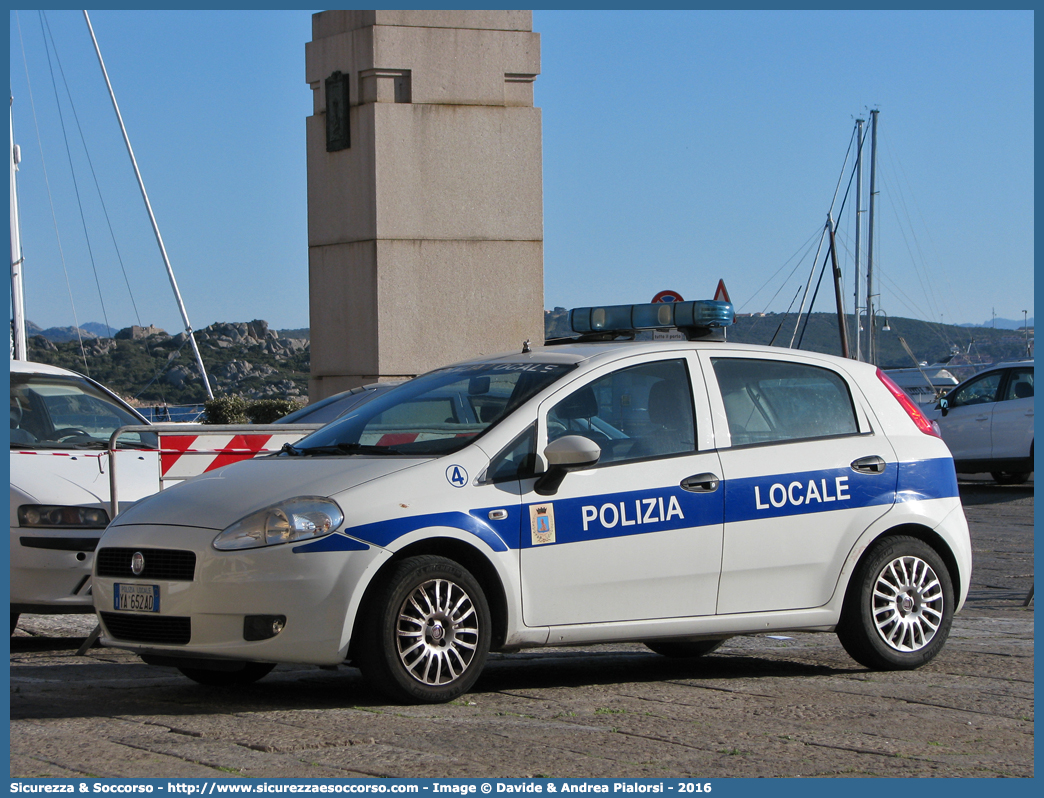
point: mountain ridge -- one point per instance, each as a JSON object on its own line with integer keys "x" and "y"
{"x": 250, "y": 360}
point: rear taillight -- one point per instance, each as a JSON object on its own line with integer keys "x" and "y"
{"x": 924, "y": 424}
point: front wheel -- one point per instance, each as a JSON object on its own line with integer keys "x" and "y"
{"x": 899, "y": 606}
{"x": 239, "y": 675}
{"x": 426, "y": 633}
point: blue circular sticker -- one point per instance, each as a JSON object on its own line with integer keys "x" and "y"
{"x": 457, "y": 476}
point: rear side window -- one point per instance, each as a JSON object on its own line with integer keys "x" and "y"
{"x": 768, "y": 401}
{"x": 1020, "y": 386}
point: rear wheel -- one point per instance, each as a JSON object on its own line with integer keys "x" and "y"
{"x": 426, "y": 633}
{"x": 899, "y": 606}
{"x": 240, "y": 675}
{"x": 1010, "y": 477}
{"x": 684, "y": 648}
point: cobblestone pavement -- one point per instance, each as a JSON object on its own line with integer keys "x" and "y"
{"x": 784, "y": 705}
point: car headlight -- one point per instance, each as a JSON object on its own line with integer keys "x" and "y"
{"x": 288, "y": 521}
{"x": 51, "y": 516}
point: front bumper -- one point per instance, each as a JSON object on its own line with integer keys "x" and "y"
{"x": 202, "y": 612}
{"x": 51, "y": 569}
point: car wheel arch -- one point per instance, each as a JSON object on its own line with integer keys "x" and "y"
{"x": 926, "y": 535}
{"x": 461, "y": 552}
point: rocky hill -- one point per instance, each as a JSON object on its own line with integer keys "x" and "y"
{"x": 250, "y": 360}
{"x": 145, "y": 363}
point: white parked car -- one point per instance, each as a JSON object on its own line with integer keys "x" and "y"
{"x": 987, "y": 421}
{"x": 674, "y": 493}
{"x": 60, "y": 427}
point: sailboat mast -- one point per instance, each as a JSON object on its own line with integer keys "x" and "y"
{"x": 842, "y": 328}
{"x": 871, "y": 349}
{"x": 152, "y": 216}
{"x": 17, "y": 289}
{"x": 858, "y": 229}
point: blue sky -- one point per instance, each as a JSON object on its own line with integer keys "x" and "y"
{"x": 679, "y": 148}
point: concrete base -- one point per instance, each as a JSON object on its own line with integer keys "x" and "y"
{"x": 423, "y": 320}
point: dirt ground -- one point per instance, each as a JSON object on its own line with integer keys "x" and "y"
{"x": 783, "y": 705}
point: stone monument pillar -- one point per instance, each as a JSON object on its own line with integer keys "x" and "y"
{"x": 425, "y": 214}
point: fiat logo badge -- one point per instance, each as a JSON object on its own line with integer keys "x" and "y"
{"x": 137, "y": 563}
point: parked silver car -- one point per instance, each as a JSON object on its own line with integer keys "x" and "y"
{"x": 987, "y": 421}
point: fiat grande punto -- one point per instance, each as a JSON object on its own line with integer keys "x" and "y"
{"x": 675, "y": 493}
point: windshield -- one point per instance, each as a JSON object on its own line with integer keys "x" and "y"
{"x": 54, "y": 412}
{"x": 436, "y": 413}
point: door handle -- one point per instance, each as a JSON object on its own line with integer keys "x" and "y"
{"x": 869, "y": 465}
{"x": 701, "y": 483}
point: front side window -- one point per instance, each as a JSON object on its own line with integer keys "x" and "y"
{"x": 634, "y": 413}
{"x": 517, "y": 460}
{"x": 769, "y": 401}
{"x": 978, "y": 392}
{"x": 65, "y": 412}
{"x": 434, "y": 414}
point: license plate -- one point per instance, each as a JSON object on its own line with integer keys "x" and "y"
{"x": 136, "y": 598}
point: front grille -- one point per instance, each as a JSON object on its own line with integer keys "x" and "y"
{"x": 166, "y": 564}
{"x": 169, "y": 629}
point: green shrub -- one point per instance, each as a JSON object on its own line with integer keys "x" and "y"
{"x": 265, "y": 411}
{"x": 225, "y": 410}
{"x": 237, "y": 410}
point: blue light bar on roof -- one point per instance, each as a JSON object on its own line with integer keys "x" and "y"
{"x": 651, "y": 316}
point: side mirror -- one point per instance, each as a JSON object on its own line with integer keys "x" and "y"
{"x": 568, "y": 453}
{"x": 944, "y": 405}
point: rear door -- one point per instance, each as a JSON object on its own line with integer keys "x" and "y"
{"x": 639, "y": 535}
{"x": 804, "y": 475}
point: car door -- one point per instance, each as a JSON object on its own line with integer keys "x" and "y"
{"x": 1012, "y": 425}
{"x": 969, "y": 416}
{"x": 638, "y": 536}
{"x": 804, "y": 476}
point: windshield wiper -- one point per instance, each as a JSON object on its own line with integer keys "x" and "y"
{"x": 341, "y": 448}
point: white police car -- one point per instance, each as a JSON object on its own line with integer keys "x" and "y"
{"x": 61, "y": 422}
{"x": 674, "y": 493}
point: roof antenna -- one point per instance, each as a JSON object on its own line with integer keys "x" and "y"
{"x": 526, "y": 347}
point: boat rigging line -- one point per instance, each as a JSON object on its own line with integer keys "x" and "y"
{"x": 54, "y": 218}
{"x": 828, "y": 233}
{"x": 152, "y": 216}
{"x": 804, "y": 248}
{"x": 46, "y": 29}
{"x": 97, "y": 188}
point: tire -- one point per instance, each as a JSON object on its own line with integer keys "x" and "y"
{"x": 1010, "y": 477}
{"x": 247, "y": 673}
{"x": 684, "y": 648}
{"x": 899, "y": 606}
{"x": 426, "y": 632}
{"x": 14, "y": 621}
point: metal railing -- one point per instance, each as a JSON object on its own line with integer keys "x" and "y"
{"x": 283, "y": 433}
